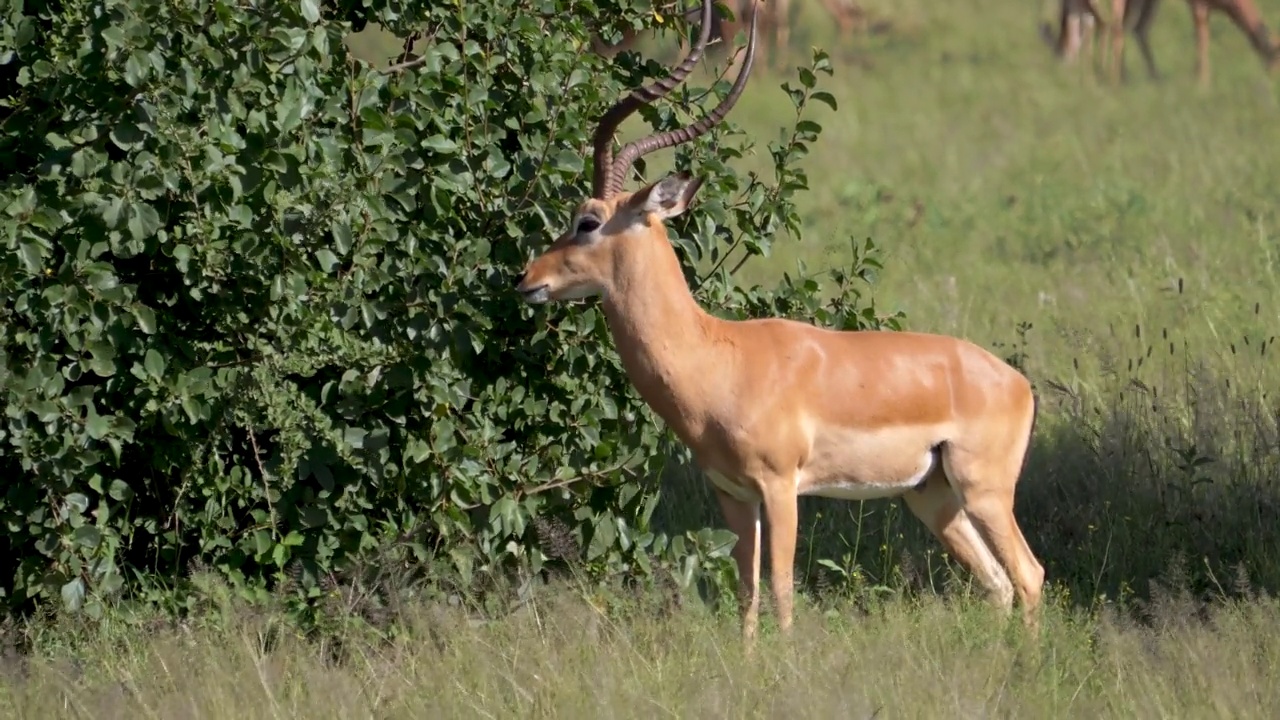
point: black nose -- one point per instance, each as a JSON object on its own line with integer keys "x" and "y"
{"x": 519, "y": 279}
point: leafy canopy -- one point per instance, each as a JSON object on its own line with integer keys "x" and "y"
{"x": 255, "y": 296}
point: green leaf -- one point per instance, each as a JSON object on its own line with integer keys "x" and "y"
{"x": 119, "y": 490}
{"x": 606, "y": 533}
{"x": 144, "y": 221}
{"x": 73, "y": 594}
{"x": 102, "y": 279}
{"x": 182, "y": 255}
{"x": 78, "y": 502}
{"x": 97, "y": 426}
{"x": 823, "y": 96}
{"x": 154, "y": 364}
{"x": 502, "y": 514}
{"x": 440, "y": 144}
{"x": 569, "y": 161}
{"x": 354, "y": 437}
{"x": 262, "y": 542}
{"x": 194, "y": 409}
{"x": 341, "y": 236}
{"x": 87, "y": 536}
{"x": 719, "y": 542}
{"x": 288, "y": 113}
{"x": 146, "y": 319}
{"x": 136, "y": 68}
{"x": 110, "y": 583}
{"x": 114, "y": 36}
{"x": 32, "y": 257}
{"x": 127, "y": 136}
{"x": 311, "y": 11}
{"x": 313, "y": 517}
{"x": 112, "y": 211}
{"x": 328, "y": 261}
{"x": 25, "y": 31}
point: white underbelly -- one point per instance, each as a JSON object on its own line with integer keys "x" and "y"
{"x": 870, "y": 488}
{"x": 859, "y": 484}
{"x": 855, "y": 491}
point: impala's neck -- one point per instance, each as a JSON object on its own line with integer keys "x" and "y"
{"x": 662, "y": 335}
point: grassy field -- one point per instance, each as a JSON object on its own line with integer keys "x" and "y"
{"x": 566, "y": 658}
{"x": 1133, "y": 228}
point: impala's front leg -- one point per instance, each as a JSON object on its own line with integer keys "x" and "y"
{"x": 781, "y": 507}
{"x": 1200, "y": 17}
{"x": 1117, "y": 39}
{"x": 743, "y": 519}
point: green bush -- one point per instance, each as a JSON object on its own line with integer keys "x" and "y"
{"x": 256, "y": 305}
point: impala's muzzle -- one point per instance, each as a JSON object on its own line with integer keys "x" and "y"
{"x": 534, "y": 294}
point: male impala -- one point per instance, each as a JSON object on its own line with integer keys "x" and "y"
{"x": 773, "y": 408}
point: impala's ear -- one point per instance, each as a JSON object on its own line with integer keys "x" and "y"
{"x": 668, "y": 197}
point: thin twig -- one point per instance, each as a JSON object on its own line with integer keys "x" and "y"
{"x": 402, "y": 66}
{"x": 407, "y": 50}
{"x": 569, "y": 481}
{"x": 266, "y": 488}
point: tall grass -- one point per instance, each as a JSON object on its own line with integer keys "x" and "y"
{"x": 565, "y": 657}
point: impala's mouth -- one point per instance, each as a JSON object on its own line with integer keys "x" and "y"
{"x": 535, "y": 295}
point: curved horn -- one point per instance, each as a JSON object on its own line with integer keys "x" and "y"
{"x": 636, "y": 149}
{"x": 603, "y": 138}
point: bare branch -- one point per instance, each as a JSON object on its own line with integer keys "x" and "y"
{"x": 402, "y": 66}
{"x": 406, "y": 59}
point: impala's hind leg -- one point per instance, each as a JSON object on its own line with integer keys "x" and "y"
{"x": 1200, "y": 17}
{"x": 983, "y": 468}
{"x": 938, "y": 507}
{"x": 1142, "y": 33}
{"x": 1118, "y": 9}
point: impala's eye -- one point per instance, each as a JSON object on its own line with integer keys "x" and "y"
{"x": 587, "y": 224}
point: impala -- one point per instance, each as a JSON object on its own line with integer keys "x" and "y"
{"x": 1078, "y": 21}
{"x": 1137, "y": 16}
{"x": 849, "y": 16}
{"x": 773, "y": 408}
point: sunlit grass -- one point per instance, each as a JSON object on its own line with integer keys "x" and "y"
{"x": 562, "y": 656}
